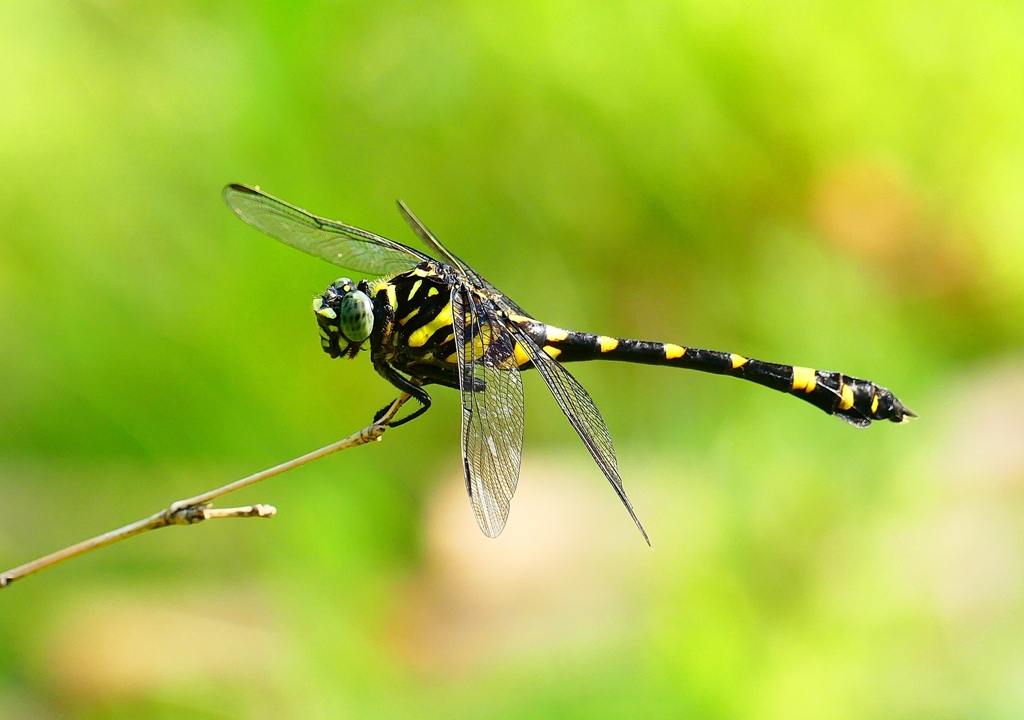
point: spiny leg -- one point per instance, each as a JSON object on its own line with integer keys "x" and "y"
{"x": 409, "y": 387}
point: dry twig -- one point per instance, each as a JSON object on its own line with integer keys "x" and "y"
{"x": 198, "y": 508}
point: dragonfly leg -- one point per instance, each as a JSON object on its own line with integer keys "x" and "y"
{"x": 406, "y": 386}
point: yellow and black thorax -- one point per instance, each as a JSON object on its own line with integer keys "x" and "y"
{"x": 413, "y": 318}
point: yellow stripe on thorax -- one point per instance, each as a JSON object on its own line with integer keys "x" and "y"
{"x": 474, "y": 349}
{"x": 415, "y": 287}
{"x": 442, "y": 319}
{"x": 389, "y": 289}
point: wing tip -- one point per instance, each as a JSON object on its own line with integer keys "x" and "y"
{"x": 232, "y": 189}
{"x": 487, "y": 525}
{"x": 621, "y": 492}
{"x": 641, "y": 529}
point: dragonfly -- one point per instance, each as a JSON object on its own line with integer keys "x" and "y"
{"x": 437, "y": 321}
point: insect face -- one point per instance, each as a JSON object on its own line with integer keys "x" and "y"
{"x": 345, "y": 317}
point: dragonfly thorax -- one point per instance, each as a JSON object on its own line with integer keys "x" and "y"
{"x": 345, "y": 316}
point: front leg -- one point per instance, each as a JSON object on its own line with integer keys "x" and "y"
{"x": 406, "y": 386}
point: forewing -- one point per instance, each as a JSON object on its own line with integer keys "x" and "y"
{"x": 583, "y": 414}
{"x": 492, "y": 409}
{"x": 337, "y": 243}
{"x": 424, "y": 234}
{"x": 428, "y": 238}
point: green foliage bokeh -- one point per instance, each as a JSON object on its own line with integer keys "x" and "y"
{"x": 839, "y": 185}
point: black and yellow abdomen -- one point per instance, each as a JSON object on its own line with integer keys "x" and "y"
{"x": 855, "y": 400}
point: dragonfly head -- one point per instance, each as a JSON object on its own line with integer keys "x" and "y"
{"x": 345, "y": 317}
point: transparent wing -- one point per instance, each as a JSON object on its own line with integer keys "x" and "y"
{"x": 492, "y": 410}
{"x": 583, "y": 414}
{"x": 332, "y": 241}
{"x": 452, "y": 259}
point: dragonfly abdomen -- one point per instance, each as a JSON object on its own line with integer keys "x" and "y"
{"x": 855, "y": 400}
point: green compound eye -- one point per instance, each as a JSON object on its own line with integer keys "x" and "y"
{"x": 356, "y": 317}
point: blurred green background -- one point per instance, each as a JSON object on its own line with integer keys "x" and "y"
{"x": 835, "y": 184}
